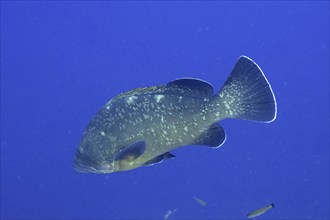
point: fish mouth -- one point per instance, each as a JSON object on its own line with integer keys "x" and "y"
{"x": 84, "y": 169}
{"x": 103, "y": 168}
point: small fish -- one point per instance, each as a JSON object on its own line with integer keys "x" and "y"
{"x": 200, "y": 201}
{"x": 169, "y": 213}
{"x": 260, "y": 211}
{"x": 142, "y": 126}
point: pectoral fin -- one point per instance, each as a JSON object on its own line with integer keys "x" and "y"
{"x": 131, "y": 151}
{"x": 159, "y": 159}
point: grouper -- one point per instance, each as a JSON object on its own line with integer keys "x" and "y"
{"x": 142, "y": 126}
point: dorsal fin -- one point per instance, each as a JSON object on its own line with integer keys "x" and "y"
{"x": 190, "y": 86}
{"x": 138, "y": 91}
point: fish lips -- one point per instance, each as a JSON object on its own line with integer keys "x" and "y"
{"x": 100, "y": 168}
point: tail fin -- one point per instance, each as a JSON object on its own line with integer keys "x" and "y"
{"x": 246, "y": 94}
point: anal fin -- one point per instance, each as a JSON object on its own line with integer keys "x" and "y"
{"x": 213, "y": 136}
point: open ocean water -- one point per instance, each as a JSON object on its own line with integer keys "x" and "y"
{"x": 61, "y": 61}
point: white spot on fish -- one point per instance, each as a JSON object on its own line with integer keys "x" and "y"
{"x": 185, "y": 128}
{"x": 130, "y": 100}
{"x": 102, "y": 133}
{"x": 158, "y": 98}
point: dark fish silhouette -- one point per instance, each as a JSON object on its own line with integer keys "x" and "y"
{"x": 141, "y": 127}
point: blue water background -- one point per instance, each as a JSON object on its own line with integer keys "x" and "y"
{"x": 62, "y": 61}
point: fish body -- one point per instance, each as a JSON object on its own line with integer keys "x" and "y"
{"x": 260, "y": 211}
{"x": 141, "y": 127}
